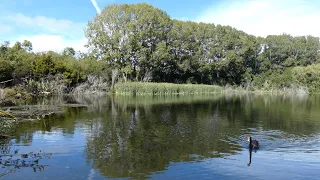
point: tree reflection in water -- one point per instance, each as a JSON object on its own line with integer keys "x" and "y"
{"x": 135, "y": 141}
{"x": 135, "y": 137}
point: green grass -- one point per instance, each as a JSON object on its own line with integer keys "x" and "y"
{"x": 163, "y": 89}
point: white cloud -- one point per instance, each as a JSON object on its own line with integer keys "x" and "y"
{"x": 53, "y": 42}
{"x": 45, "y": 33}
{"x": 267, "y": 17}
{"x": 46, "y": 24}
{"x": 95, "y": 4}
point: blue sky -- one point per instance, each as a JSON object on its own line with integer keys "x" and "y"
{"x": 55, "y": 24}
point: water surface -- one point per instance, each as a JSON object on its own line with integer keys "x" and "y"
{"x": 184, "y": 137}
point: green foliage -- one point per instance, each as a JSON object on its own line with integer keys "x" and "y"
{"x": 27, "y": 45}
{"x": 126, "y": 36}
{"x": 44, "y": 66}
{"x": 92, "y": 66}
{"x": 6, "y": 69}
{"x": 146, "y": 45}
{"x": 73, "y": 76}
{"x": 17, "y": 46}
{"x": 308, "y": 76}
{"x": 49, "y": 71}
{"x": 23, "y": 64}
{"x": 274, "y": 80}
{"x": 71, "y": 70}
{"x": 68, "y": 51}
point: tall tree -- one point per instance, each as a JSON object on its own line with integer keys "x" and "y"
{"x": 68, "y": 51}
{"x": 127, "y": 35}
{"x": 27, "y": 45}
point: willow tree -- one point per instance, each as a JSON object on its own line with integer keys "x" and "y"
{"x": 126, "y": 36}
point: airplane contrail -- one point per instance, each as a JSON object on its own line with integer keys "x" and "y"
{"x": 95, "y": 4}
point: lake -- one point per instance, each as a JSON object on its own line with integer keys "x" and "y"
{"x": 179, "y": 137}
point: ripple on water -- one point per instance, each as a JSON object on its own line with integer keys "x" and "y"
{"x": 278, "y": 141}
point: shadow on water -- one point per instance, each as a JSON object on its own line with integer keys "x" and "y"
{"x": 137, "y": 137}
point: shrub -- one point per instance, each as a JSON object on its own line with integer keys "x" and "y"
{"x": 6, "y": 69}
{"x": 44, "y": 66}
{"x": 308, "y": 76}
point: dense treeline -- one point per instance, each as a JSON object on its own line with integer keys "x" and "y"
{"x": 145, "y": 44}
{"x": 50, "y": 71}
{"x": 142, "y": 43}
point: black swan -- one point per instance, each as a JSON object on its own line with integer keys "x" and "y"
{"x": 253, "y": 144}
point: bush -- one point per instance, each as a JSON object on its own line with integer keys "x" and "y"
{"x": 274, "y": 80}
{"x": 308, "y": 76}
{"x": 6, "y": 69}
{"x": 44, "y": 66}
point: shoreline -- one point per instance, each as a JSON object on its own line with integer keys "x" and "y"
{"x": 12, "y": 96}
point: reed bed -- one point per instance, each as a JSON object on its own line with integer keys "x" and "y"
{"x": 163, "y": 89}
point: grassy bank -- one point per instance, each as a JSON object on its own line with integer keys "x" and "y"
{"x": 138, "y": 88}
{"x": 18, "y": 95}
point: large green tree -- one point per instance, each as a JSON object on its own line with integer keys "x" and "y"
{"x": 126, "y": 36}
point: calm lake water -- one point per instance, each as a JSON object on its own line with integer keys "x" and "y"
{"x": 189, "y": 137}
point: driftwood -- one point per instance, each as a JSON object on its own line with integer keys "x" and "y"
{"x": 5, "y": 135}
{"x": 5, "y": 113}
{"x": 34, "y": 112}
{"x": 3, "y": 82}
{"x": 6, "y": 81}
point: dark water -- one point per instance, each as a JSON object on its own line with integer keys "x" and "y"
{"x": 169, "y": 138}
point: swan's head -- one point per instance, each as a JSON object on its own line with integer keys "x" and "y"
{"x": 249, "y": 137}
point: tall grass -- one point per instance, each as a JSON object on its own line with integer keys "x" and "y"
{"x": 2, "y": 94}
{"x": 139, "y": 88}
{"x": 6, "y": 95}
{"x": 50, "y": 84}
